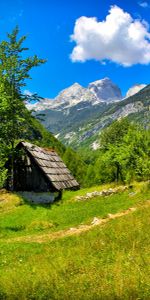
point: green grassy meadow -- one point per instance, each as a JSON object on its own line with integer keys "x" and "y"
{"x": 111, "y": 261}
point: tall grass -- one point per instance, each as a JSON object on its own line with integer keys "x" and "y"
{"x": 109, "y": 262}
{"x": 26, "y": 219}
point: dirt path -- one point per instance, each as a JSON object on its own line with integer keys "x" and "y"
{"x": 75, "y": 230}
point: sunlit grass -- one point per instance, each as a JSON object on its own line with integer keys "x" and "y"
{"x": 8, "y": 201}
{"x": 70, "y": 195}
{"x": 22, "y": 218}
{"x": 108, "y": 262}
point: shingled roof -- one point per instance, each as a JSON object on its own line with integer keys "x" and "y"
{"x": 52, "y": 166}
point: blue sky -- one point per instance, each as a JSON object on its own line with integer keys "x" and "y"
{"x": 49, "y": 25}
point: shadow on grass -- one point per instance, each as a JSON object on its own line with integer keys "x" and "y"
{"x": 14, "y": 228}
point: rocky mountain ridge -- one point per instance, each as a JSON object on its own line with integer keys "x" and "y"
{"x": 103, "y": 90}
{"x": 78, "y": 115}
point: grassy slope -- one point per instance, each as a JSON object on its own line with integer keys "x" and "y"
{"x": 25, "y": 219}
{"x": 108, "y": 262}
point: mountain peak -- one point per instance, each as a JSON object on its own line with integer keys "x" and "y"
{"x": 70, "y": 96}
{"x": 74, "y": 88}
{"x": 105, "y": 90}
{"x": 76, "y": 84}
{"x": 101, "y": 81}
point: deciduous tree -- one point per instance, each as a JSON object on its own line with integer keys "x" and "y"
{"x": 14, "y": 71}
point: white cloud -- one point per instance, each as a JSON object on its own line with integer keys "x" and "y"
{"x": 119, "y": 38}
{"x": 144, "y": 4}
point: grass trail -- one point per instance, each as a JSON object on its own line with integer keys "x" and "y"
{"x": 109, "y": 262}
{"x": 75, "y": 230}
{"x": 18, "y": 218}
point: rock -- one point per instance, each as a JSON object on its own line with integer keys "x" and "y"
{"x": 132, "y": 194}
{"x": 72, "y": 229}
{"x": 110, "y": 216}
{"x": 132, "y": 208}
{"x": 95, "y": 221}
{"x": 82, "y": 226}
{"x": 89, "y": 195}
{"x": 108, "y": 192}
{"x": 99, "y": 194}
{"x": 104, "y": 192}
{"x": 121, "y": 188}
{"x": 78, "y": 197}
{"x": 115, "y": 190}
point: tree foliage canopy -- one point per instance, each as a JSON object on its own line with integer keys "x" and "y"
{"x": 14, "y": 71}
{"x": 124, "y": 154}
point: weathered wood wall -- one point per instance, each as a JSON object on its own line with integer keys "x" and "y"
{"x": 28, "y": 176}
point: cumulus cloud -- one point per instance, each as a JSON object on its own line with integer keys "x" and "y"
{"x": 144, "y": 4}
{"x": 119, "y": 38}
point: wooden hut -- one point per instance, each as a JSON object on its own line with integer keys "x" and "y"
{"x": 40, "y": 170}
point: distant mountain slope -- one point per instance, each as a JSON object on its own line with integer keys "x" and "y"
{"x": 136, "y": 108}
{"x": 39, "y": 135}
{"x": 76, "y": 104}
{"x": 77, "y": 115}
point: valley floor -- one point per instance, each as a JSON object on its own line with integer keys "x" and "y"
{"x": 50, "y": 252}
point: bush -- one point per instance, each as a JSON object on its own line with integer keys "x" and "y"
{"x": 3, "y": 176}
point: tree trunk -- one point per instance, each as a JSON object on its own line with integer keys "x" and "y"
{"x": 13, "y": 132}
{"x": 117, "y": 172}
{"x": 12, "y": 168}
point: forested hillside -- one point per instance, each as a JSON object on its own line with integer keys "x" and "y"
{"x": 124, "y": 154}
